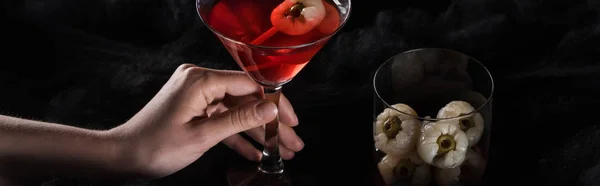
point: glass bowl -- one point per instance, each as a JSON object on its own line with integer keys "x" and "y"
{"x": 432, "y": 118}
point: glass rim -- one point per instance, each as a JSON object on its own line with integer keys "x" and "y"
{"x": 487, "y": 101}
{"x": 276, "y": 47}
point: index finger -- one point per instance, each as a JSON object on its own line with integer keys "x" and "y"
{"x": 215, "y": 84}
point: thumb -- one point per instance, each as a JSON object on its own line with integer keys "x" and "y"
{"x": 249, "y": 115}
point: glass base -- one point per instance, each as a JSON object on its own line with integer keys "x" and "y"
{"x": 256, "y": 178}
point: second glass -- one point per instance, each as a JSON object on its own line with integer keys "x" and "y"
{"x": 432, "y": 118}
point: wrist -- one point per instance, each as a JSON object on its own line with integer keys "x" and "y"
{"x": 124, "y": 153}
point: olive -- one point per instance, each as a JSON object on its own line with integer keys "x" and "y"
{"x": 392, "y": 126}
{"x": 466, "y": 123}
{"x": 404, "y": 169}
{"x": 296, "y": 10}
{"x": 445, "y": 143}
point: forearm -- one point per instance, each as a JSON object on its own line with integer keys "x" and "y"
{"x": 47, "y": 148}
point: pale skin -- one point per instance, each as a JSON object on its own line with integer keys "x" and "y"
{"x": 195, "y": 110}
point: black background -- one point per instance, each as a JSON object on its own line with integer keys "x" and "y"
{"x": 94, "y": 63}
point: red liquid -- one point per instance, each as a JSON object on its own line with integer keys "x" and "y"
{"x": 245, "y": 21}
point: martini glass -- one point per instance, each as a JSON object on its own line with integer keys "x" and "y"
{"x": 272, "y": 40}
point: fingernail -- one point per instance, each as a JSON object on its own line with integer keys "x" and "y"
{"x": 257, "y": 156}
{"x": 295, "y": 118}
{"x": 300, "y": 144}
{"x": 266, "y": 109}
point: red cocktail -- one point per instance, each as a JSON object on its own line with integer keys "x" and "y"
{"x": 272, "y": 40}
{"x": 284, "y": 43}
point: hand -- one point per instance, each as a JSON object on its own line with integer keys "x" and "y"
{"x": 196, "y": 109}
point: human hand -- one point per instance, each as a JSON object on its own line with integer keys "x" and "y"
{"x": 196, "y": 109}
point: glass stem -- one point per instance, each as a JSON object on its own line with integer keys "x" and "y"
{"x": 271, "y": 162}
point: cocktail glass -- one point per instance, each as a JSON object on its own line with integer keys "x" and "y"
{"x": 272, "y": 40}
{"x": 432, "y": 118}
